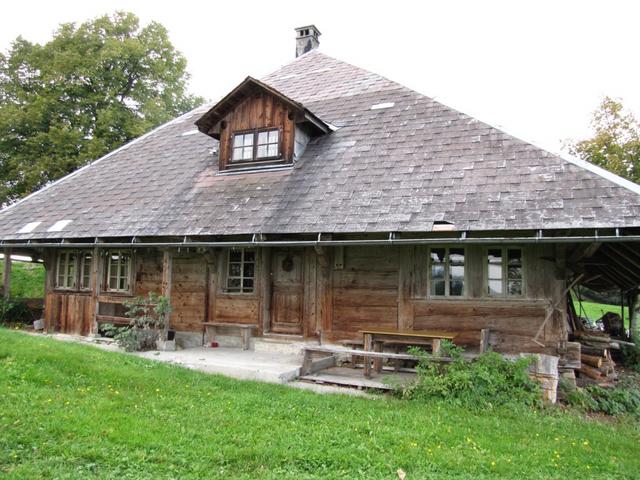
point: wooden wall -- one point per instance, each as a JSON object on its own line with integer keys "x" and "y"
{"x": 365, "y": 291}
{"x": 344, "y": 291}
{"x": 258, "y": 111}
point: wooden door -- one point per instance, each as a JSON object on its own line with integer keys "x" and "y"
{"x": 287, "y": 292}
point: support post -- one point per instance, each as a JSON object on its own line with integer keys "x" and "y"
{"x": 6, "y": 276}
{"x": 167, "y": 271}
{"x": 634, "y": 305}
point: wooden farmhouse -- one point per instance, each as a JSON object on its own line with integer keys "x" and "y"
{"x": 323, "y": 200}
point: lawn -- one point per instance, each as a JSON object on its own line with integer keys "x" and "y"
{"x": 74, "y": 411}
{"x": 593, "y": 311}
{"x": 27, "y": 279}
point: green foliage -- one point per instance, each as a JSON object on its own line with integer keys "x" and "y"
{"x": 148, "y": 320}
{"x": 27, "y": 279}
{"x": 624, "y": 399}
{"x": 631, "y": 356}
{"x": 14, "y": 311}
{"x": 90, "y": 89}
{"x": 615, "y": 145}
{"x": 74, "y": 411}
{"x": 488, "y": 381}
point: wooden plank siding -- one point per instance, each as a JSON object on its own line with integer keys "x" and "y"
{"x": 259, "y": 111}
{"x": 363, "y": 287}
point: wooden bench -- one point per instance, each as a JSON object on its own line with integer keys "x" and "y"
{"x": 309, "y": 365}
{"x": 209, "y": 328}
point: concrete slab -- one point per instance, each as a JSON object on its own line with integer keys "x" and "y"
{"x": 233, "y": 362}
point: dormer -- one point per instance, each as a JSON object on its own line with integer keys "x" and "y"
{"x": 258, "y": 127}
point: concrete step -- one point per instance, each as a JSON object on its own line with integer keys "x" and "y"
{"x": 284, "y": 344}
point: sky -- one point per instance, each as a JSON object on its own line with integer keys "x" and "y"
{"x": 536, "y": 69}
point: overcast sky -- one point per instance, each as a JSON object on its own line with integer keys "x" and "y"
{"x": 536, "y": 69}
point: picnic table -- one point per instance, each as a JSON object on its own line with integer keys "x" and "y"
{"x": 374, "y": 340}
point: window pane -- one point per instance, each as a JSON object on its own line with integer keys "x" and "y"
{"x": 457, "y": 280}
{"x": 514, "y": 287}
{"x": 233, "y": 283}
{"x": 113, "y": 283}
{"x": 263, "y": 137}
{"x": 437, "y": 271}
{"x": 273, "y": 136}
{"x": 273, "y": 151}
{"x": 456, "y": 256}
{"x": 247, "y": 285}
{"x": 249, "y": 256}
{"x": 238, "y": 140}
{"x": 262, "y": 151}
{"x": 235, "y": 255}
{"x": 437, "y": 255}
{"x": 234, "y": 269}
{"x": 495, "y": 287}
{"x": 248, "y": 270}
{"x": 237, "y": 154}
{"x": 495, "y": 271}
{"x": 248, "y": 139}
{"x": 514, "y": 256}
{"x": 437, "y": 287}
{"x": 247, "y": 153}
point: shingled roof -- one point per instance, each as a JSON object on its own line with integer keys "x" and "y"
{"x": 399, "y": 161}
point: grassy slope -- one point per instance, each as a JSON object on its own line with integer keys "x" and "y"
{"x": 72, "y": 411}
{"x": 27, "y": 279}
{"x": 593, "y": 311}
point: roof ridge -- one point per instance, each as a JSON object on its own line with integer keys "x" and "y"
{"x": 105, "y": 156}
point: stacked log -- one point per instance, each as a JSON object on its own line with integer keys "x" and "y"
{"x": 596, "y": 362}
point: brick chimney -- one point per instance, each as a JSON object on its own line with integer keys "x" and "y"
{"x": 306, "y": 39}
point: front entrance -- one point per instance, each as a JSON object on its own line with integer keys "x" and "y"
{"x": 287, "y": 292}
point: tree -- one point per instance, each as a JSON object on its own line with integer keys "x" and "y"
{"x": 90, "y": 89}
{"x": 616, "y": 143}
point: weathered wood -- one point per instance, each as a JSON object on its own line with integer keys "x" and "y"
{"x": 259, "y": 111}
{"x": 591, "y": 360}
{"x": 484, "y": 340}
{"x": 167, "y": 274}
{"x": 245, "y": 331}
{"x": 6, "y": 275}
{"x": 405, "y": 282}
{"x": 590, "y": 372}
{"x": 95, "y": 272}
{"x": 287, "y": 304}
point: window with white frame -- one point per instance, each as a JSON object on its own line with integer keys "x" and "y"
{"x": 241, "y": 271}
{"x": 446, "y": 272}
{"x": 85, "y": 270}
{"x": 504, "y": 272}
{"x": 119, "y": 270}
{"x": 66, "y": 269}
{"x": 256, "y": 145}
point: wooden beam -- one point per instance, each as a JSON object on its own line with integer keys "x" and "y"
{"x": 405, "y": 305}
{"x": 6, "y": 277}
{"x": 95, "y": 286}
{"x": 167, "y": 274}
{"x": 622, "y": 263}
{"x": 634, "y": 305}
{"x": 583, "y": 251}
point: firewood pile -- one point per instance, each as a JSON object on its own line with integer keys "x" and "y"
{"x": 596, "y": 359}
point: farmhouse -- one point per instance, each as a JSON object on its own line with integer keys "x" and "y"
{"x": 324, "y": 200}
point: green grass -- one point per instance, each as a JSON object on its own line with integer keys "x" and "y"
{"x": 73, "y": 411}
{"x": 27, "y": 279}
{"x": 593, "y": 311}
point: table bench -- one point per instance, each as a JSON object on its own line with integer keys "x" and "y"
{"x": 375, "y": 339}
{"x": 209, "y": 329}
{"x": 328, "y": 359}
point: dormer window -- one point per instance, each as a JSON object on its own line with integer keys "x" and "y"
{"x": 256, "y": 145}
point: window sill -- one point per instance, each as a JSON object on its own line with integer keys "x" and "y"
{"x": 255, "y": 167}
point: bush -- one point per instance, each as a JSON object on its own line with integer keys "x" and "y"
{"x": 631, "y": 356}
{"x": 15, "y": 312}
{"x": 148, "y": 319}
{"x": 488, "y": 381}
{"x": 624, "y": 399}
